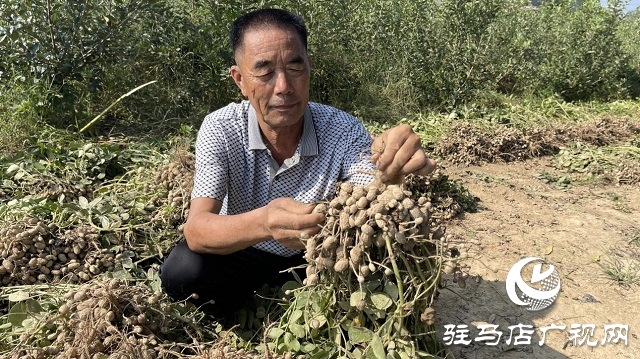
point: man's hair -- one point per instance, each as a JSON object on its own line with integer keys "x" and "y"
{"x": 266, "y": 17}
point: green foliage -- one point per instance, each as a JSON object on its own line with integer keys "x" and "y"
{"x": 83, "y": 56}
{"x": 629, "y": 34}
{"x": 112, "y": 186}
{"x": 378, "y": 59}
{"x": 613, "y": 164}
{"x": 18, "y": 114}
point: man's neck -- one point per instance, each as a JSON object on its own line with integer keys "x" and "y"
{"x": 282, "y": 142}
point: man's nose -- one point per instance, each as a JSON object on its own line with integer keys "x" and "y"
{"x": 283, "y": 83}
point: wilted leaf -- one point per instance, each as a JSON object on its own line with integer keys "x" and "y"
{"x": 14, "y": 167}
{"x": 18, "y": 296}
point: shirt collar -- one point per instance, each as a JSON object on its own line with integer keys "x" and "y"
{"x": 308, "y": 145}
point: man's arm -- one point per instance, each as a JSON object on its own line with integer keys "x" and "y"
{"x": 283, "y": 219}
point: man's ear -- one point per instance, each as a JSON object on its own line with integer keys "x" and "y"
{"x": 236, "y": 75}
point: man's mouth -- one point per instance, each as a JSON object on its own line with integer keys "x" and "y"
{"x": 284, "y": 107}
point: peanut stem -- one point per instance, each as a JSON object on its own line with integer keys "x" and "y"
{"x": 396, "y": 272}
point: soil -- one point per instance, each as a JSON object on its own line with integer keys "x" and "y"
{"x": 576, "y": 229}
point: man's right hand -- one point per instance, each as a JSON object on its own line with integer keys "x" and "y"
{"x": 288, "y": 220}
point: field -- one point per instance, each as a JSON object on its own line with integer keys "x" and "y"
{"x": 563, "y": 190}
{"x": 532, "y": 113}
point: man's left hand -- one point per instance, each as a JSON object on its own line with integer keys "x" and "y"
{"x": 398, "y": 152}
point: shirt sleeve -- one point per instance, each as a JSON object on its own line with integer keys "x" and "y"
{"x": 212, "y": 165}
{"x": 357, "y": 167}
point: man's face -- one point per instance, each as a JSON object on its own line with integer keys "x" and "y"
{"x": 272, "y": 70}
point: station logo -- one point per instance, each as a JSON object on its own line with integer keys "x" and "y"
{"x": 540, "y": 291}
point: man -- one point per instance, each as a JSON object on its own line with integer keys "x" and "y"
{"x": 262, "y": 163}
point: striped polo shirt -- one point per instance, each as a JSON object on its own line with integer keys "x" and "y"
{"x": 233, "y": 165}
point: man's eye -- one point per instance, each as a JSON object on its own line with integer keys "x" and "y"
{"x": 265, "y": 75}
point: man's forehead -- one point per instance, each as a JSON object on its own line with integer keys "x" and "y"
{"x": 259, "y": 38}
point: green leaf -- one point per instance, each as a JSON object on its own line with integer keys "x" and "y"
{"x": 291, "y": 342}
{"x": 6, "y": 326}
{"x": 275, "y": 333}
{"x": 39, "y": 166}
{"x": 20, "y": 311}
{"x": 308, "y": 347}
{"x": 301, "y": 299}
{"x": 321, "y": 318}
{"x": 290, "y": 285}
{"x": 297, "y": 330}
{"x": 381, "y": 301}
{"x": 104, "y": 221}
{"x": 83, "y": 202}
{"x": 357, "y": 297}
{"x": 297, "y": 314}
{"x": 315, "y": 299}
{"x": 392, "y": 290}
{"x": 375, "y": 348}
{"x": 359, "y": 334}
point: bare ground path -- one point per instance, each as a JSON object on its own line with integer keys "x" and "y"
{"x": 577, "y": 229}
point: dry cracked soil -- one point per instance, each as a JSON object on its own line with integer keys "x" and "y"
{"x": 581, "y": 230}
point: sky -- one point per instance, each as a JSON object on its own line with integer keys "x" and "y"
{"x": 633, "y": 4}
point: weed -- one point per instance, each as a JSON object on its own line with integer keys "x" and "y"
{"x": 625, "y": 274}
{"x": 635, "y": 238}
{"x": 558, "y": 181}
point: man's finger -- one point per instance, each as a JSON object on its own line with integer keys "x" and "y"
{"x": 428, "y": 168}
{"x": 419, "y": 164}
{"x": 394, "y": 140}
{"x": 410, "y": 153}
{"x": 306, "y": 222}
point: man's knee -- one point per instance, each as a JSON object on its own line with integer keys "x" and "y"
{"x": 181, "y": 271}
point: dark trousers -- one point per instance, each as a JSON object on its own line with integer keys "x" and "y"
{"x": 223, "y": 283}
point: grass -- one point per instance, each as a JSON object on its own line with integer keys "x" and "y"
{"x": 623, "y": 273}
{"x": 518, "y": 112}
{"x": 635, "y": 238}
{"x": 614, "y": 164}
